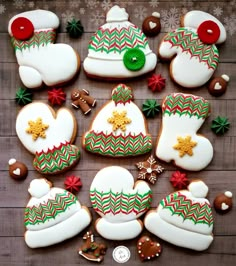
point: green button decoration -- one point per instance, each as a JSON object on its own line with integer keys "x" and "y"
{"x": 134, "y": 59}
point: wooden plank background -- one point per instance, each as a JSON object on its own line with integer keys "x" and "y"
{"x": 219, "y": 175}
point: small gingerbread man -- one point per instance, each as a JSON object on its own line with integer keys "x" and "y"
{"x": 82, "y": 100}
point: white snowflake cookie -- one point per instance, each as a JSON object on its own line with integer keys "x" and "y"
{"x": 33, "y": 34}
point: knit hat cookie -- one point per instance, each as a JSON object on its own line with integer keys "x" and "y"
{"x": 120, "y": 202}
{"x": 48, "y": 135}
{"x": 33, "y": 34}
{"x": 119, "y": 49}
{"x": 52, "y": 215}
{"x": 194, "y": 45}
{"x": 178, "y": 141}
{"x": 184, "y": 218}
{"x": 119, "y": 128}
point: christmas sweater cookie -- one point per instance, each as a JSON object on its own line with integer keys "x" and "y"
{"x": 178, "y": 141}
{"x": 119, "y": 128}
{"x": 183, "y": 218}
{"x": 52, "y": 215}
{"x": 120, "y": 202}
{"x": 192, "y": 49}
{"x": 119, "y": 49}
{"x": 48, "y": 135}
{"x": 33, "y": 34}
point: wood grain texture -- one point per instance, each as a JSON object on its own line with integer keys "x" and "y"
{"x": 219, "y": 175}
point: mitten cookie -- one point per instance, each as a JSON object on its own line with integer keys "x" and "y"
{"x": 119, "y": 128}
{"x": 183, "y": 218}
{"x": 33, "y": 34}
{"x": 120, "y": 202}
{"x": 192, "y": 50}
{"x": 52, "y": 215}
{"x": 48, "y": 135}
{"x": 119, "y": 49}
{"x": 178, "y": 141}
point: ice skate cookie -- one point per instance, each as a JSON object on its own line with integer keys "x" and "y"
{"x": 178, "y": 141}
{"x": 183, "y": 218}
{"x": 119, "y": 49}
{"x": 49, "y": 136}
{"x": 33, "y": 34}
{"x": 120, "y": 202}
{"x": 192, "y": 49}
{"x": 119, "y": 129}
{"x": 52, "y": 215}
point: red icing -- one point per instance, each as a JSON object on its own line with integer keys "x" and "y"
{"x": 208, "y": 32}
{"x": 22, "y": 28}
{"x": 179, "y": 180}
{"x": 56, "y": 96}
{"x": 72, "y": 183}
{"x": 156, "y": 82}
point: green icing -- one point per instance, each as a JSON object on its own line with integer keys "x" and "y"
{"x": 151, "y": 108}
{"x": 23, "y": 96}
{"x": 220, "y": 125}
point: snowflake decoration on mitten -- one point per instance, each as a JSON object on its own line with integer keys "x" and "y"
{"x": 149, "y": 170}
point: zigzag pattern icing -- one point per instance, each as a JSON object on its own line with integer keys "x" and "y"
{"x": 122, "y": 94}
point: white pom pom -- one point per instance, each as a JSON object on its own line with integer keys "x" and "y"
{"x": 39, "y": 187}
{"x": 225, "y": 77}
{"x": 228, "y": 194}
{"x": 11, "y": 161}
{"x": 156, "y": 14}
{"x": 198, "y": 189}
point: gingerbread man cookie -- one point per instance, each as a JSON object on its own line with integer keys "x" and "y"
{"x": 49, "y": 136}
{"x": 33, "y": 34}
{"x": 120, "y": 202}
{"x": 178, "y": 141}
{"x": 82, "y": 100}
{"x": 184, "y": 218}
{"x": 192, "y": 49}
{"x": 52, "y": 215}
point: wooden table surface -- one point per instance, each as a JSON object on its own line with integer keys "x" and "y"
{"x": 220, "y": 175}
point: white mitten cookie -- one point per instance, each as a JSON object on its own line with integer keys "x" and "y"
{"x": 33, "y": 34}
{"x": 120, "y": 202}
{"x": 178, "y": 141}
{"x": 52, "y": 215}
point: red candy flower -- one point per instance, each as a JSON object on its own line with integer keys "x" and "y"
{"x": 156, "y": 83}
{"x": 72, "y": 184}
{"x": 56, "y": 96}
{"x": 179, "y": 180}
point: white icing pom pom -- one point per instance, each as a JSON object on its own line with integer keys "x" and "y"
{"x": 225, "y": 77}
{"x": 228, "y": 194}
{"x": 11, "y": 161}
{"x": 117, "y": 14}
{"x": 198, "y": 189}
{"x": 39, "y": 187}
{"x": 156, "y": 14}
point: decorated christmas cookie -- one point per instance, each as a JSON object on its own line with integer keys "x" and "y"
{"x": 52, "y": 215}
{"x": 82, "y": 99}
{"x": 152, "y": 25}
{"x": 119, "y": 128}
{"x": 148, "y": 249}
{"x": 223, "y": 202}
{"x": 17, "y": 170}
{"x": 119, "y": 49}
{"x": 192, "y": 49}
{"x": 178, "y": 141}
{"x": 218, "y": 85}
{"x": 120, "y": 202}
{"x": 33, "y": 34}
{"x": 183, "y": 218}
{"x": 48, "y": 135}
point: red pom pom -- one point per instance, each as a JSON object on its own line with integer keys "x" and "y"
{"x": 22, "y": 28}
{"x": 56, "y": 96}
{"x": 179, "y": 180}
{"x": 156, "y": 83}
{"x": 73, "y": 184}
{"x": 208, "y": 32}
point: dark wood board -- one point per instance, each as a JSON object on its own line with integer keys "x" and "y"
{"x": 220, "y": 175}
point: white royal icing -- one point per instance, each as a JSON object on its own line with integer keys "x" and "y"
{"x": 225, "y": 77}
{"x": 198, "y": 189}
{"x": 224, "y": 206}
{"x": 228, "y": 194}
{"x": 38, "y": 188}
{"x": 60, "y": 130}
{"x": 217, "y": 86}
{"x": 16, "y": 171}
{"x": 11, "y": 161}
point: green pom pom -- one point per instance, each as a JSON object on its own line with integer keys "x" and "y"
{"x": 134, "y": 59}
{"x": 220, "y": 125}
{"x": 23, "y": 96}
{"x": 74, "y": 28}
{"x": 151, "y": 108}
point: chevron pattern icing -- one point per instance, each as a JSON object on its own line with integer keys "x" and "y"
{"x": 189, "y": 42}
{"x": 120, "y": 145}
{"x": 117, "y": 40}
{"x": 53, "y": 207}
{"x": 186, "y": 104}
{"x": 122, "y": 94}
{"x": 40, "y": 38}
{"x": 116, "y": 203}
{"x": 57, "y": 159}
{"x": 179, "y": 205}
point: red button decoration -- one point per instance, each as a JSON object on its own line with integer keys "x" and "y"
{"x": 22, "y": 28}
{"x": 208, "y": 32}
